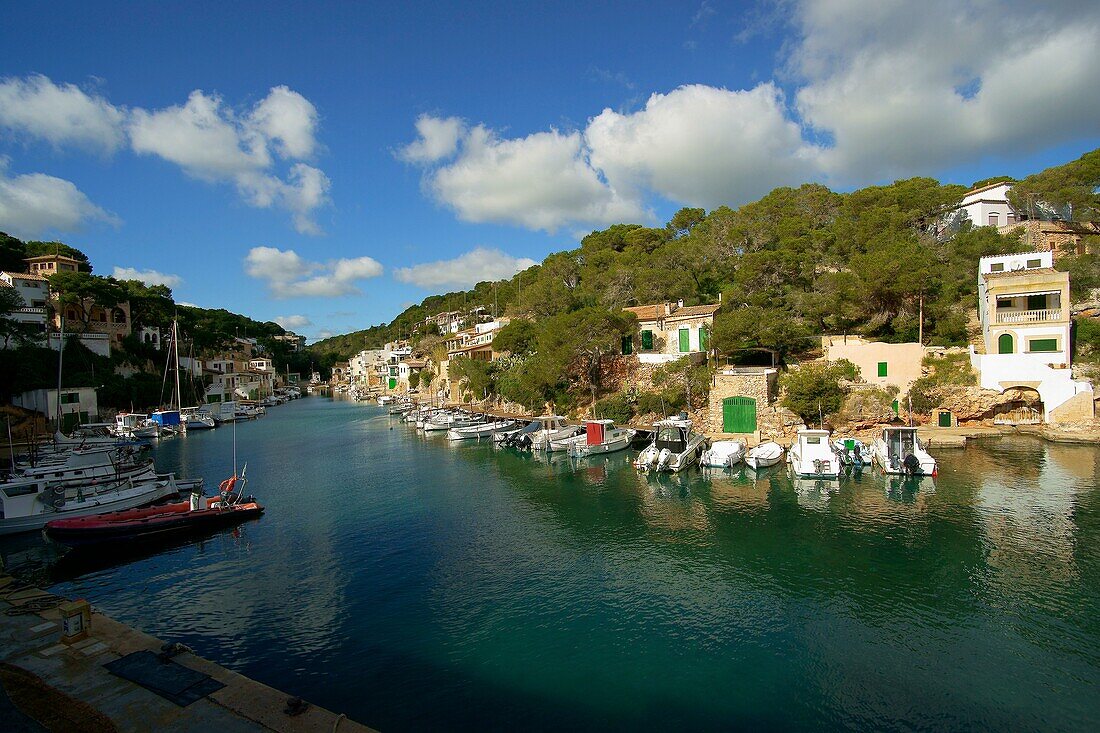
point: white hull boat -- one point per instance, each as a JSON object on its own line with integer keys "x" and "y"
{"x": 600, "y": 436}
{"x": 811, "y": 455}
{"x": 723, "y": 454}
{"x": 552, "y": 434}
{"x": 764, "y": 455}
{"x": 477, "y": 432}
{"x": 675, "y": 446}
{"x": 852, "y": 452}
{"x": 899, "y": 451}
{"x": 25, "y": 508}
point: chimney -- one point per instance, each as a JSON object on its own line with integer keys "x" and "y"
{"x": 680, "y": 303}
{"x": 668, "y": 308}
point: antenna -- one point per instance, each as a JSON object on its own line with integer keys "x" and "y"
{"x": 234, "y": 444}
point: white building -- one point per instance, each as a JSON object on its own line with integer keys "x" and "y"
{"x": 1023, "y": 306}
{"x": 35, "y": 293}
{"x": 988, "y": 205}
{"x": 79, "y": 405}
{"x": 150, "y": 335}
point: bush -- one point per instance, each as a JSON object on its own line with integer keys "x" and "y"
{"x": 617, "y": 407}
{"x": 814, "y": 389}
{"x": 661, "y": 403}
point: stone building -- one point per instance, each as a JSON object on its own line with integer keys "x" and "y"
{"x": 669, "y": 331}
{"x": 743, "y": 401}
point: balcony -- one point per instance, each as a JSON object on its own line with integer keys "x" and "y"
{"x": 1043, "y": 315}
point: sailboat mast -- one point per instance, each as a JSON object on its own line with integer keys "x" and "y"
{"x": 176, "y": 346}
{"x": 60, "y": 353}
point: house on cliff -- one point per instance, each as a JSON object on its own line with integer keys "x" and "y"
{"x": 669, "y": 331}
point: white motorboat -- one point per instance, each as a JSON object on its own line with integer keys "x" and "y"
{"x": 102, "y": 433}
{"x": 675, "y": 446}
{"x": 448, "y": 421}
{"x": 516, "y": 432}
{"x": 899, "y": 451}
{"x": 482, "y": 430}
{"x": 811, "y": 455}
{"x": 553, "y": 430}
{"x": 135, "y": 425}
{"x": 92, "y": 467}
{"x": 723, "y": 454}
{"x": 28, "y": 505}
{"x": 385, "y": 399}
{"x": 765, "y": 455}
{"x": 600, "y": 436}
{"x": 194, "y": 418}
{"x": 852, "y": 452}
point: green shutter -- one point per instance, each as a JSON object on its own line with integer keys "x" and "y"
{"x": 1042, "y": 345}
{"x": 882, "y": 369}
{"x": 647, "y": 340}
{"x": 738, "y": 415}
{"x": 704, "y": 338}
{"x": 393, "y": 383}
{"x": 628, "y": 344}
{"x": 685, "y": 340}
{"x": 1004, "y": 343}
{"x": 894, "y": 405}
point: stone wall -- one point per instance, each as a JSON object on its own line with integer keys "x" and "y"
{"x": 772, "y": 420}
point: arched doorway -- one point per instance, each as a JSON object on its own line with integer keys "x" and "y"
{"x": 1004, "y": 344}
{"x": 1021, "y": 406}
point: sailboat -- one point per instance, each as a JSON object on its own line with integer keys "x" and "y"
{"x": 169, "y": 420}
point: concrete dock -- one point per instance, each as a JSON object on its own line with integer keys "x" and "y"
{"x": 76, "y": 684}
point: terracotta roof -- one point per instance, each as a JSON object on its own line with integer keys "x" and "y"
{"x": 988, "y": 186}
{"x": 694, "y": 311}
{"x": 26, "y": 275}
{"x": 1029, "y": 271}
{"x": 415, "y": 363}
{"x": 657, "y": 311}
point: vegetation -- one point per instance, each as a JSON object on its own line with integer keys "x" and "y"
{"x": 815, "y": 389}
{"x": 1070, "y": 191}
{"x": 951, "y": 369}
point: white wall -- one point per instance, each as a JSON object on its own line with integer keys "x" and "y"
{"x": 1002, "y": 371}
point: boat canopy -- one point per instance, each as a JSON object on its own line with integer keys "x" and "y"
{"x": 673, "y": 437}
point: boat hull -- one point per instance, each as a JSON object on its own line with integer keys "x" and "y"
{"x": 97, "y": 505}
{"x": 149, "y": 527}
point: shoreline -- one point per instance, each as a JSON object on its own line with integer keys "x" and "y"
{"x": 74, "y": 674}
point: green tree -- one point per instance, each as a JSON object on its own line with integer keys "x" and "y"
{"x": 814, "y": 388}
{"x": 1071, "y": 190}
{"x": 82, "y": 292}
{"x": 517, "y": 337}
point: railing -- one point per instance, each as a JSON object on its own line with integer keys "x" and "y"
{"x": 1035, "y": 316}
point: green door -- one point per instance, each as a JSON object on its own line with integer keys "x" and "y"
{"x": 393, "y": 383}
{"x": 1004, "y": 343}
{"x": 739, "y": 415}
{"x": 685, "y": 340}
{"x": 945, "y": 419}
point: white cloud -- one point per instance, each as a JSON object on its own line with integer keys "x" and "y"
{"x": 290, "y": 276}
{"x": 466, "y": 270}
{"x": 34, "y": 204}
{"x": 211, "y": 142}
{"x": 149, "y": 277}
{"x": 877, "y": 90}
{"x": 541, "y": 181}
{"x": 293, "y": 323}
{"x": 437, "y": 139}
{"x": 702, "y": 145}
{"x": 60, "y": 114}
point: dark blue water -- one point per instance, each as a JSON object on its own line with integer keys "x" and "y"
{"x": 414, "y": 584}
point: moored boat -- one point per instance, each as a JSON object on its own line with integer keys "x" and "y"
{"x": 600, "y": 436}
{"x": 723, "y": 454}
{"x": 898, "y": 450}
{"x": 27, "y": 506}
{"x": 811, "y": 455}
{"x": 765, "y": 455}
{"x": 675, "y": 446}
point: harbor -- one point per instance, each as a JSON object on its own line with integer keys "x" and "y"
{"x": 413, "y": 582}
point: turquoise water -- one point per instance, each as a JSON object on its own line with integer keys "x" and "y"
{"x": 414, "y": 584}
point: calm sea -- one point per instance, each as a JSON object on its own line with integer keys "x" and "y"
{"x": 416, "y": 584}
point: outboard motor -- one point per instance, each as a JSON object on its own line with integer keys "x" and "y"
{"x": 821, "y": 465}
{"x": 663, "y": 458}
{"x": 911, "y": 465}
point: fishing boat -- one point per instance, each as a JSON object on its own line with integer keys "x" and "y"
{"x": 483, "y": 430}
{"x": 195, "y": 516}
{"x": 91, "y": 466}
{"x": 135, "y": 425}
{"x": 195, "y": 418}
{"x": 28, "y": 505}
{"x": 765, "y": 455}
{"x": 600, "y": 436}
{"x": 385, "y": 399}
{"x": 451, "y": 420}
{"x": 552, "y": 431}
{"x": 852, "y": 452}
{"x": 723, "y": 454}
{"x": 898, "y": 450}
{"x": 811, "y": 455}
{"x": 517, "y": 431}
{"x": 675, "y": 446}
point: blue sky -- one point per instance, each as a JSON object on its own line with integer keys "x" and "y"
{"x": 328, "y": 164}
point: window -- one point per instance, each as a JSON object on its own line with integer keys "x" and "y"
{"x": 70, "y": 398}
{"x": 1036, "y": 302}
{"x": 1042, "y": 345}
{"x": 628, "y": 344}
{"x": 813, "y": 441}
{"x": 997, "y": 267}
{"x": 1011, "y": 218}
{"x": 993, "y": 220}
{"x": 882, "y": 369}
{"x": 1034, "y": 263}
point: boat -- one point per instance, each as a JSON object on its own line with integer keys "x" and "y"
{"x": 156, "y": 523}
{"x": 899, "y": 451}
{"x": 450, "y": 420}
{"x": 553, "y": 429}
{"x": 852, "y": 452}
{"x": 482, "y": 430}
{"x": 811, "y": 455}
{"x": 675, "y": 446}
{"x": 723, "y": 454}
{"x": 518, "y": 430}
{"x": 195, "y": 418}
{"x": 102, "y": 433}
{"x": 765, "y": 455}
{"x": 385, "y": 399}
{"x": 29, "y": 505}
{"x": 600, "y": 436}
{"x": 90, "y": 466}
{"x": 135, "y": 425}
